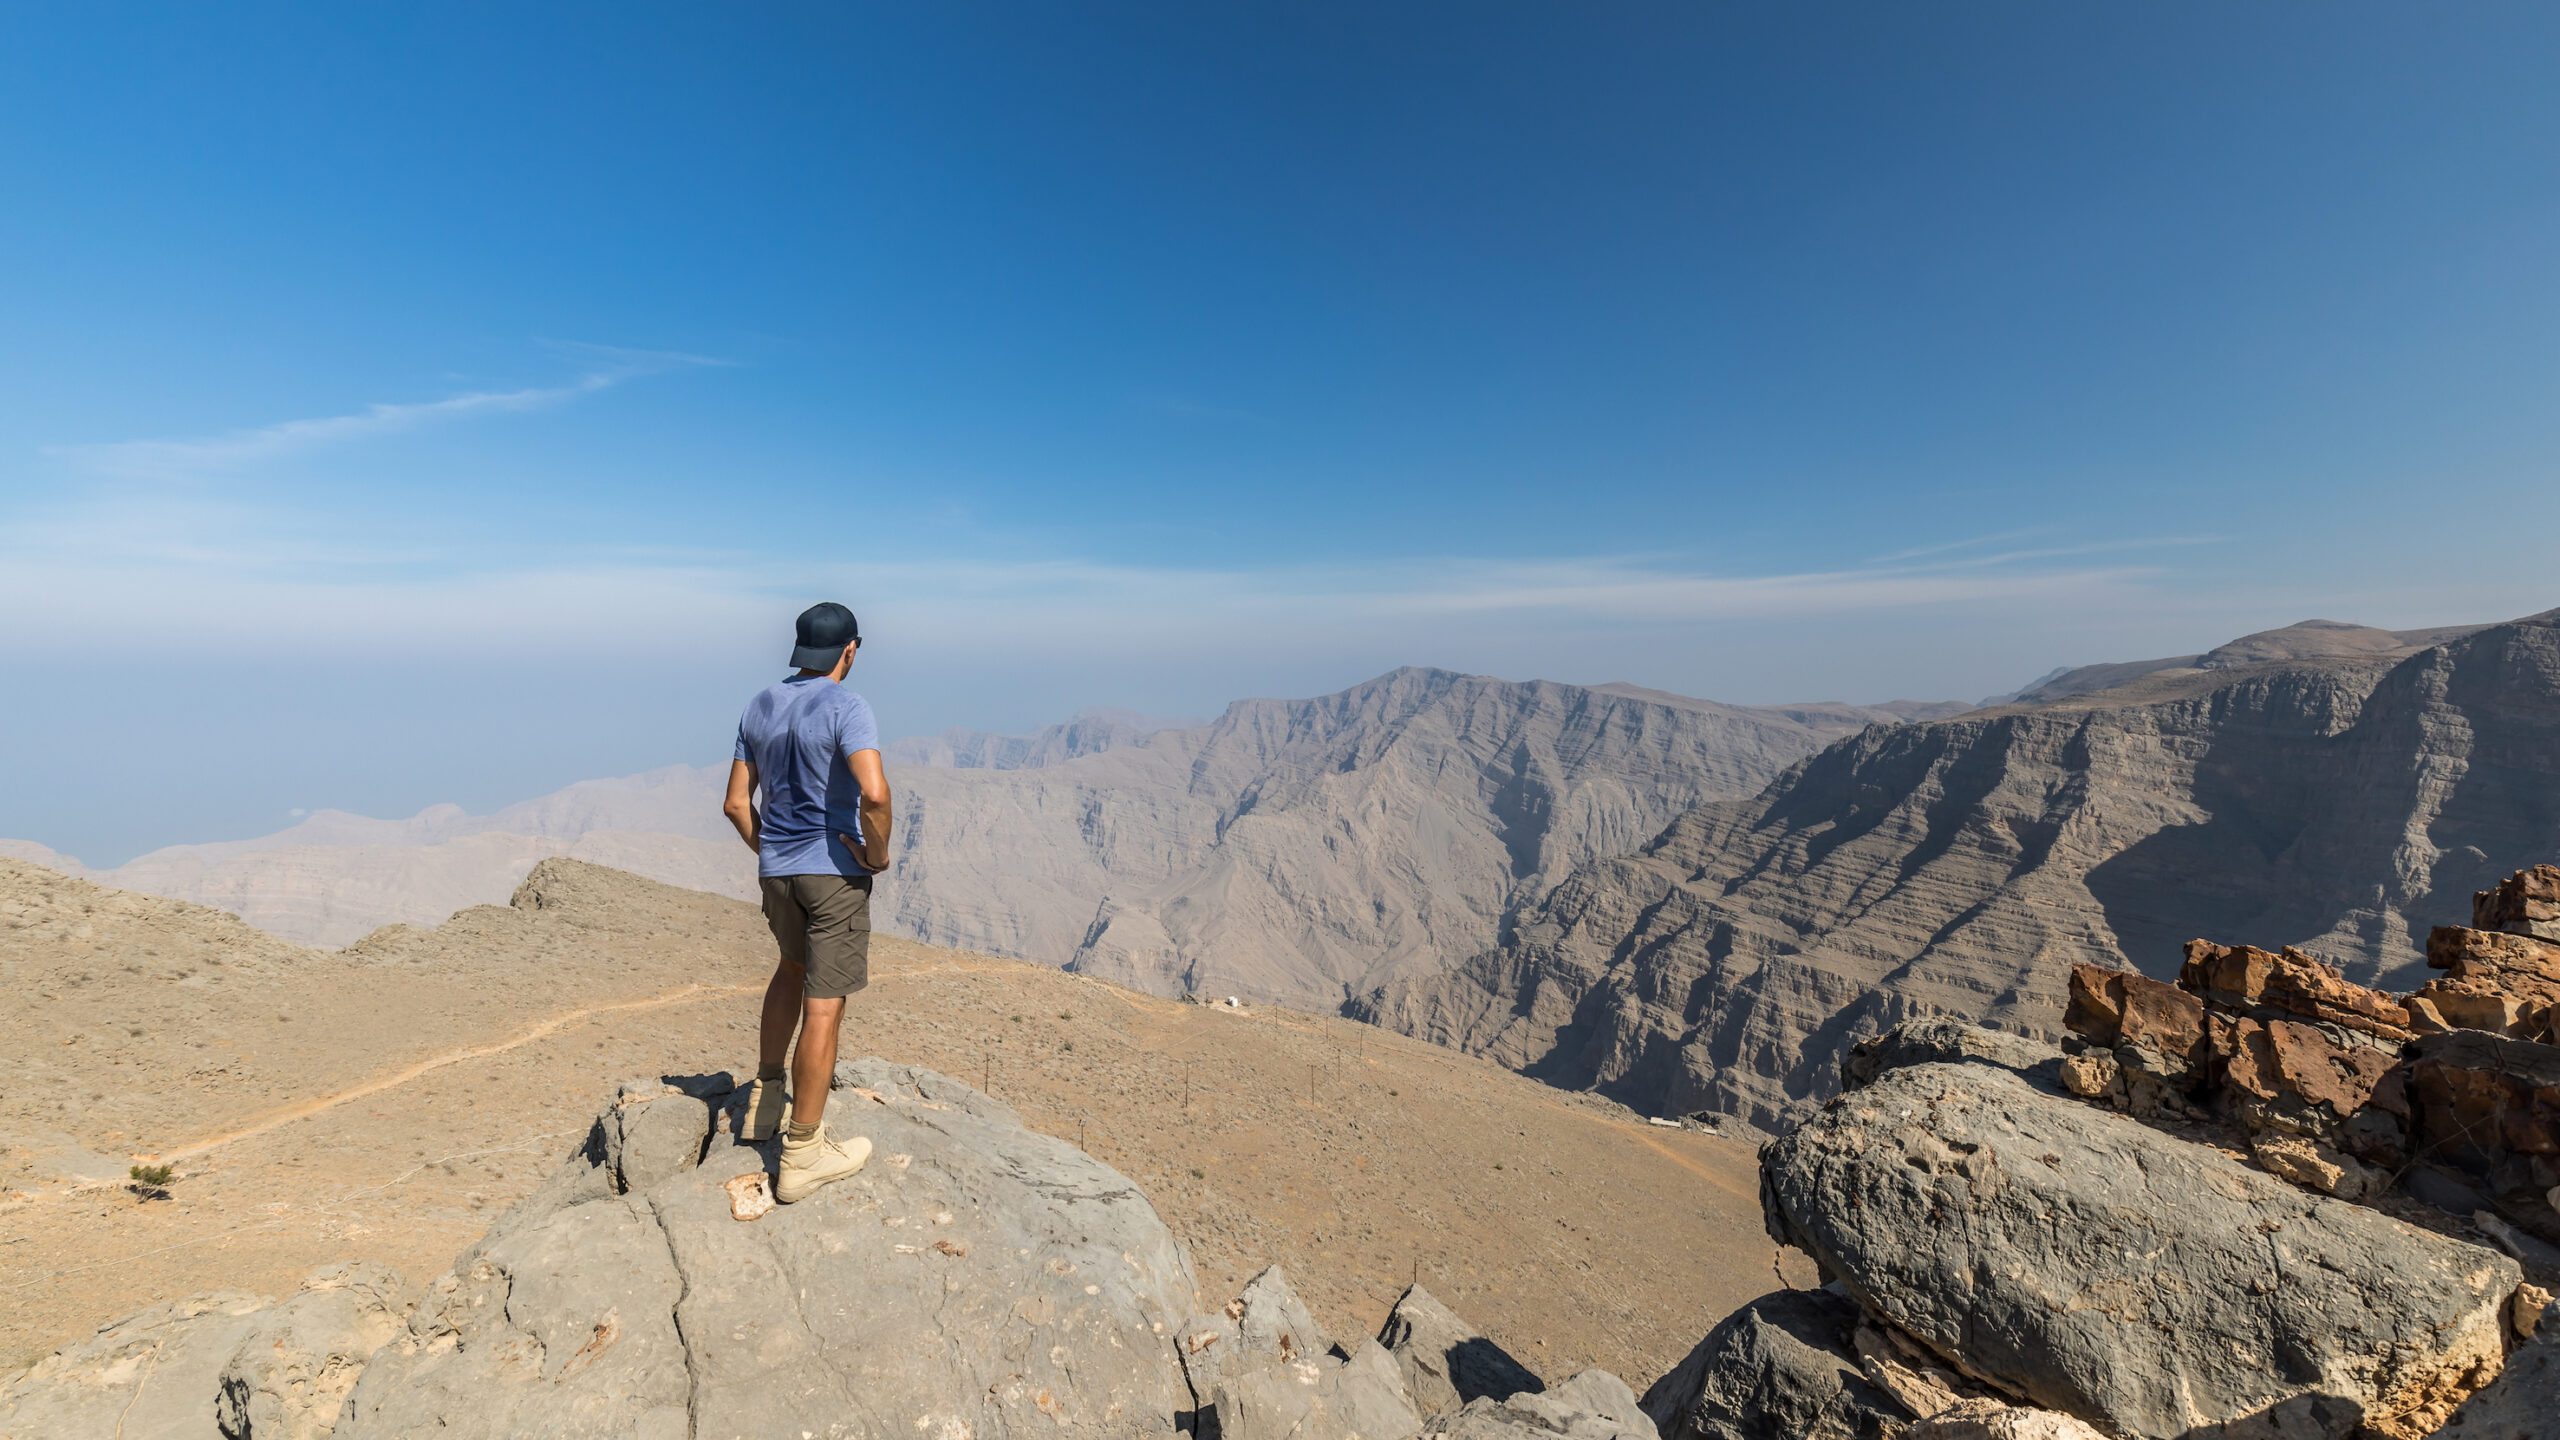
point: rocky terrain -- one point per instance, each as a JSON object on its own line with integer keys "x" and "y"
{"x": 1301, "y": 851}
{"x": 2144, "y": 1232}
{"x": 2325, "y": 787}
{"x": 1580, "y": 883}
{"x": 1292, "y": 850}
{"x": 382, "y": 1105}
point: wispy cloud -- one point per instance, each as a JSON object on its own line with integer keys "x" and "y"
{"x": 2127, "y": 545}
{"x": 235, "y": 579}
{"x": 1997, "y": 537}
{"x": 237, "y": 450}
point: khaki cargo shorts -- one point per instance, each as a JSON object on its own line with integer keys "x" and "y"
{"x": 823, "y": 923}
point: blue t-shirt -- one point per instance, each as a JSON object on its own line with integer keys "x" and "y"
{"x": 799, "y": 734}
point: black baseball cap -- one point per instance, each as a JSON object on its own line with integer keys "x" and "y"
{"x": 822, "y": 633}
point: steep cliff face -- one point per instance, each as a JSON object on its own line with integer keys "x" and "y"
{"x": 1961, "y": 867}
{"x": 1305, "y": 850}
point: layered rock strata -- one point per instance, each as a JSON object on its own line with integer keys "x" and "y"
{"x": 2453, "y": 1088}
{"x": 2335, "y": 799}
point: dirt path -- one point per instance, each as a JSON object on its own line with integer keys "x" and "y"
{"x": 397, "y": 1078}
{"x": 1686, "y": 1162}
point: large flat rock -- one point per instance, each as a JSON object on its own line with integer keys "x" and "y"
{"x": 975, "y": 1279}
{"x": 149, "y": 1376}
{"x": 2101, "y": 1268}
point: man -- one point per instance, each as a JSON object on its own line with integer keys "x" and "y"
{"x": 808, "y": 796}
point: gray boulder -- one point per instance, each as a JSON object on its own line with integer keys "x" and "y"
{"x": 1446, "y": 1361}
{"x": 1594, "y": 1405}
{"x": 1950, "y": 1042}
{"x": 646, "y": 1142}
{"x": 1262, "y": 1369}
{"x": 1266, "y": 1321}
{"x": 2101, "y": 1268}
{"x": 292, "y": 1372}
{"x": 1780, "y": 1368}
{"x": 975, "y": 1278}
{"x": 1319, "y": 1397}
{"x": 149, "y": 1376}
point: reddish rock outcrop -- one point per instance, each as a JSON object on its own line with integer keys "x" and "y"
{"x": 2341, "y": 1088}
{"x": 2503, "y": 983}
{"x": 2243, "y": 980}
{"x": 2525, "y": 903}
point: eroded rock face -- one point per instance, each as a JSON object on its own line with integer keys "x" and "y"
{"x": 1265, "y": 1324}
{"x": 1446, "y": 1361}
{"x": 291, "y": 1374}
{"x": 152, "y": 1375}
{"x": 1783, "y": 1365}
{"x": 1324, "y": 1397}
{"x": 2290, "y": 985}
{"x": 1261, "y": 1369}
{"x": 2525, "y": 903}
{"x": 1295, "y": 851}
{"x": 1991, "y": 1420}
{"x": 975, "y": 1278}
{"x": 215, "y": 1367}
{"x": 2488, "y": 1107}
{"x": 1963, "y": 866}
{"x": 1594, "y": 1405}
{"x": 2523, "y": 1403}
{"x": 2103, "y": 1269}
{"x": 1951, "y": 1042}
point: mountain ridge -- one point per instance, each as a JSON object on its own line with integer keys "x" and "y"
{"x": 1155, "y": 800}
{"x": 1958, "y": 867}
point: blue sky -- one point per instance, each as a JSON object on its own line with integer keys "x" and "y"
{"x": 446, "y": 403}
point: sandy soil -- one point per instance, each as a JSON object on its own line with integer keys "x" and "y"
{"x": 387, "y": 1101}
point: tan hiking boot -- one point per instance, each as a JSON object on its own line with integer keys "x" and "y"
{"x": 820, "y": 1160}
{"x": 766, "y": 1105}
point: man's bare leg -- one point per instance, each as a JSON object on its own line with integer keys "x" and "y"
{"x": 811, "y": 1159}
{"x": 764, "y": 1114}
{"x": 781, "y": 1016}
{"x": 813, "y": 1064}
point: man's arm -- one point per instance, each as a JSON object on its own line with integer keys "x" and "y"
{"x": 740, "y": 807}
{"x": 874, "y": 781}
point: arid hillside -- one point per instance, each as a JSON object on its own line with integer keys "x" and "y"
{"x": 2331, "y": 788}
{"x": 386, "y": 1101}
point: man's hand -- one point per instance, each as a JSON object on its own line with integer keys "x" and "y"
{"x": 873, "y": 853}
{"x": 740, "y": 807}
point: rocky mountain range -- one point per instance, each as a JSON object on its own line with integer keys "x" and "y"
{"x": 1689, "y": 906}
{"x": 1291, "y": 850}
{"x": 2323, "y": 786}
{"x": 1303, "y": 851}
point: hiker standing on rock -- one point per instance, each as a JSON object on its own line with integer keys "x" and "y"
{"x": 807, "y": 794}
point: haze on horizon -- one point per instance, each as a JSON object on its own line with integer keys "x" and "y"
{"x": 448, "y": 406}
